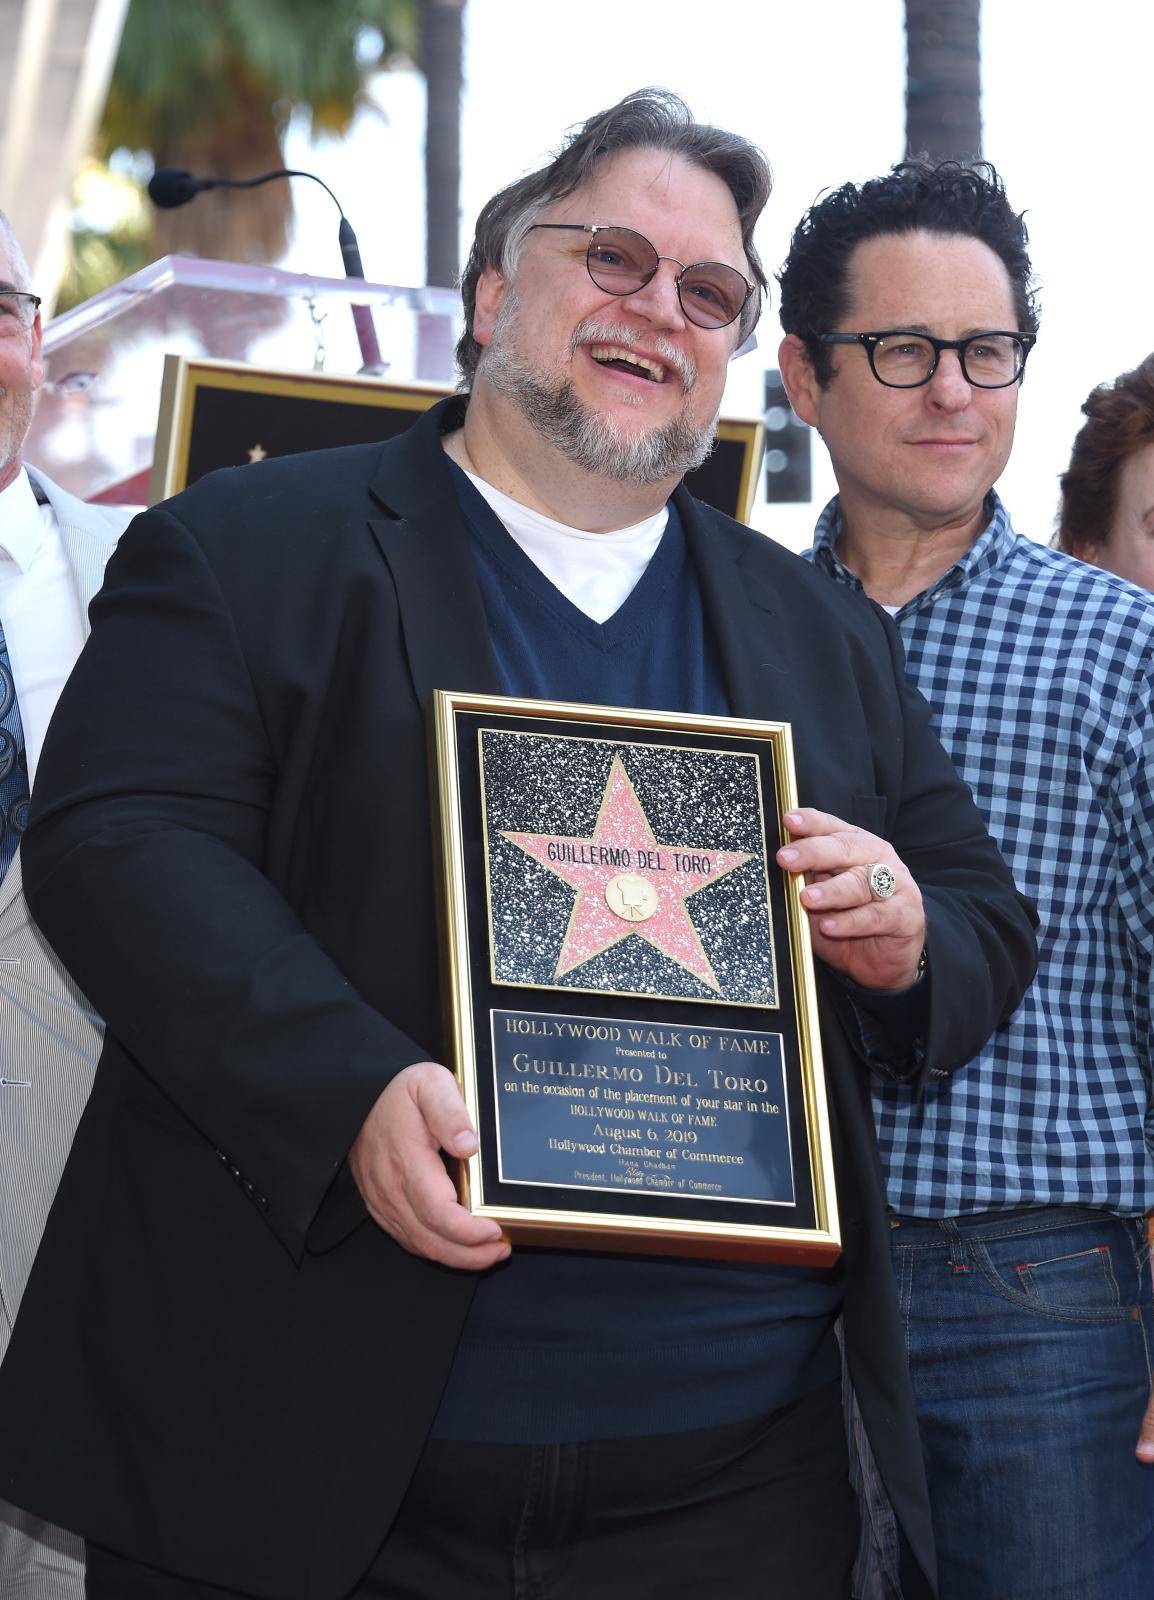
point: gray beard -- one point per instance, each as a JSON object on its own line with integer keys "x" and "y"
{"x": 589, "y": 440}
{"x": 13, "y": 431}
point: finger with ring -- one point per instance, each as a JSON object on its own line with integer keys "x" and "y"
{"x": 881, "y": 880}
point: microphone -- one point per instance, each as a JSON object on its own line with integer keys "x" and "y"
{"x": 170, "y": 187}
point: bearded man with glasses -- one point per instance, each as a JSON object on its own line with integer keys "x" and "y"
{"x": 1018, "y": 1187}
{"x": 307, "y": 1371}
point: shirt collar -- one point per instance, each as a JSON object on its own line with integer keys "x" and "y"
{"x": 21, "y": 525}
{"x": 987, "y": 550}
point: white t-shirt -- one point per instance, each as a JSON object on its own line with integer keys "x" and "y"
{"x": 596, "y": 571}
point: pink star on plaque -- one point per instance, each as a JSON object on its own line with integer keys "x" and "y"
{"x": 627, "y": 883}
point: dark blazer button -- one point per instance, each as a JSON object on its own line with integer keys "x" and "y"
{"x": 220, "y": 1156}
{"x": 261, "y": 1201}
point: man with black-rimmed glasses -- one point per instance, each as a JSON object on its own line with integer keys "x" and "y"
{"x": 1018, "y": 1186}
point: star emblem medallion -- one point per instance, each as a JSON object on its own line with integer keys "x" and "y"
{"x": 627, "y": 884}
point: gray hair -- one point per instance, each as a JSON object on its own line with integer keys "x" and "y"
{"x": 21, "y": 277}
{"x": 649, "y": 119}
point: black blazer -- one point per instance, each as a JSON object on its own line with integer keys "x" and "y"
{"x": 218, "y": 1370}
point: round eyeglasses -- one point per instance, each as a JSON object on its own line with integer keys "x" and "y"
{"x": 621, "y": 262}
{"x": 903, "y": 360}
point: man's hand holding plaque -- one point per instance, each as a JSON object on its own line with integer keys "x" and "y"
{"x": 874, "y": 940}
{"x": 396, "y": 1164}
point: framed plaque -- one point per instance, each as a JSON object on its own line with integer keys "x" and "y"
{"x": 225, "y": 414}
{"x": 628, "y": 981}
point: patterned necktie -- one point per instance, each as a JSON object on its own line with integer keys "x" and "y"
{"x": 13, "y": 765}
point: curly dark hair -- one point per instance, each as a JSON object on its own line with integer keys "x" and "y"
{"x": 649, "y": 119}
{"x": 946, "y": 197}
{"x": 1119, "y": 421}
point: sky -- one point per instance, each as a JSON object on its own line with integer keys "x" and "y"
{"x": 819, "y": 85}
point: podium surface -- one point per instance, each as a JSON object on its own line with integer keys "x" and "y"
{"x": 95, "y": 423}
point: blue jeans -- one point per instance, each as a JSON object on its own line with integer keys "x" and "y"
{"x": 1029, "y": 1336}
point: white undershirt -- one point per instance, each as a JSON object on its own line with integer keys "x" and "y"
{"x": 39, "y": 609}
{"x": 596, "y": 571}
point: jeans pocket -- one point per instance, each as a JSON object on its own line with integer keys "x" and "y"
{"x": 1063, "y": 1275}
{"x": 1084, "y": 1280}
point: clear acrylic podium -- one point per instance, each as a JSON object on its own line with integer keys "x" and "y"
{"x": 96, "y": 417}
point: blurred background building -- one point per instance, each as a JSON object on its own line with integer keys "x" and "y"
{"x": 56, "y": 60}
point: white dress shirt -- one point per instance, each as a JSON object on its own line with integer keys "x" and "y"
{"x": 39, "y": 609}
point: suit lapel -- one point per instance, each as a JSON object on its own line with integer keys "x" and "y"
{"x": 743, "y": 611}
{"x": 87, "y": 556}
{"x": 12, "y": 885}
{"x": 423, "y": 539}
{"x": 88, "y": 542}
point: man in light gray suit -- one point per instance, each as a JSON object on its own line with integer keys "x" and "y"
{"x": 52, "y": 553}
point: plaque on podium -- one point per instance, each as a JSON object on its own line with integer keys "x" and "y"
{"x": 223, "y": 414}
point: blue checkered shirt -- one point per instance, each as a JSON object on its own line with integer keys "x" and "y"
{"x": 1040, "y": 672}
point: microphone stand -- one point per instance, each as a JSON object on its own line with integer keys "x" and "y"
{"x": 371, "y": 363}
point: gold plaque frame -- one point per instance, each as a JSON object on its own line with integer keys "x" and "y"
{"x": 797, "y": 1220}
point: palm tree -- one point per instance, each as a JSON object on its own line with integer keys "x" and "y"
{"x": 441, "y": 53}
{"x": 943, "y": 79}
{"x": 210, "y": 85}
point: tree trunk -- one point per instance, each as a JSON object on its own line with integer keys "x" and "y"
{"x": 441, "y": 62}
{"x": 224, "y": 224}
{"x": 943, "y": 79}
